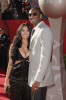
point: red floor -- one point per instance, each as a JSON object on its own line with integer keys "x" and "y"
{"x": 2, "y": 93}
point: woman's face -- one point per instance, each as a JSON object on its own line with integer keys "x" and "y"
{"x": 25, "y": 32}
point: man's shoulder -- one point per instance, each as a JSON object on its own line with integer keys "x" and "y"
{"x": 42, "y": 25}
{"x": 45, "y": 29}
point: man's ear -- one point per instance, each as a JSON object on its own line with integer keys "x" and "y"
{"x": 41, "y": 16}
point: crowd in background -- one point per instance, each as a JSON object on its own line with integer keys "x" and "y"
{"x": 16, "y": 9}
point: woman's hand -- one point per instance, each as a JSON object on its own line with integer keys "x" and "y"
{"x": 6, "y": 84}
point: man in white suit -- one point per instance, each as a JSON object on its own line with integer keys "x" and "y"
{"x": 40, "y": 66}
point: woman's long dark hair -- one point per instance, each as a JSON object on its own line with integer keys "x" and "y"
{"x": 17, "y": 41}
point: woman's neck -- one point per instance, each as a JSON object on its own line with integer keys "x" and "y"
{"x": 24, "y": 42}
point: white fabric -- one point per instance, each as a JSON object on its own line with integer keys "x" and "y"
{"x": 40, "y": 67}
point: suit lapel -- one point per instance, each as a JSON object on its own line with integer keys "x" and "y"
{"x": 37, "y": 29}
{"x": 35, "y": 34}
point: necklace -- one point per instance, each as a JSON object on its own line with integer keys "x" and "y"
{"x": 25, "y": 44}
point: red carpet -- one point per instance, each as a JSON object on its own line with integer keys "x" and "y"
{"x": 2, "y": 93}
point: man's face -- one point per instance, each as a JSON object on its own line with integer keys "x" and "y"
{"x": 34, "y": 16}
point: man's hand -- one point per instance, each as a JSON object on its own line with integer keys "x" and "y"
{"x": 35, "y": 86}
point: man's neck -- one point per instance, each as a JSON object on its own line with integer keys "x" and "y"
{"x": 36, "y": 24}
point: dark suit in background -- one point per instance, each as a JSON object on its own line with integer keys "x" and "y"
{"x": 4, "y": 45}
{"x": 19, "y": 7}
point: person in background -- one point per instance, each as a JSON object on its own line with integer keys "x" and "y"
{"x": 40, "y": 66}
{"x": 4, "y": 46}
{"x": 19, "y": 8}
{"x": 5, "y": 10}
{"x": 19, "y": 64}
{"x": 25, "y": 9}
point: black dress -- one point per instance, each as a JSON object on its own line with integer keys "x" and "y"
{"x": 19, "y": 89}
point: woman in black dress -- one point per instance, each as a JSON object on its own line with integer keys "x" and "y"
{"x": 18, "y": 65}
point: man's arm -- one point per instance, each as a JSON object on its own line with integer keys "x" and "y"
{"x": 45, "y": 54}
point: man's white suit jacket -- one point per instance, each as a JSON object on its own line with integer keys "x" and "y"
{"x": 40, "y": 66}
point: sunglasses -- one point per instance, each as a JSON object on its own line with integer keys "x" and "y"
{"x": 34, "y": 14}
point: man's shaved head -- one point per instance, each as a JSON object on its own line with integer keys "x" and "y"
{"x": 38, "y": 9}
{"x": 35, "y": 15}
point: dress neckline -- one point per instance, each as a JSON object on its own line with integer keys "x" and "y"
{"x": 22, "y": 55}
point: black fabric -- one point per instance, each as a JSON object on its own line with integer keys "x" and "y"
{"x": 6, "y": 15}
{"x": 3, "y": 58}
{"x": 19, "y": 8}
{"x": 18, "y": 4}
{"x": 17, "y": 56}
{"x": 5, "y": 41}
{"x": 19, "y": 89}
{"x": 20, "y": 70}
{"x": 33, "y": 31}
